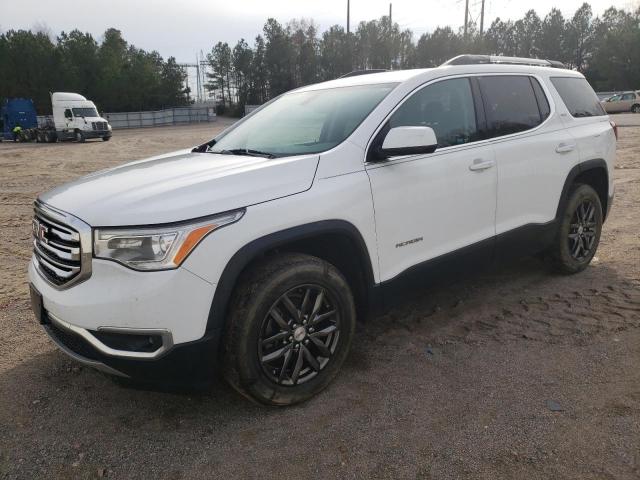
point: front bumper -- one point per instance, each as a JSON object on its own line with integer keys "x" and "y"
{"x": 186, "y": 364}
{"x": 97, "y": 133}
{"x": 169, "y": 308}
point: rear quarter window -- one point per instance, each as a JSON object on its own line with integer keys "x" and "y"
{"x": 578, "y": 96}
{"x": 510, "y": 104}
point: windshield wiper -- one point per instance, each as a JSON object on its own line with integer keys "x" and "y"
{"x": 245, "y": 151}
{"x": 249, "y": 152}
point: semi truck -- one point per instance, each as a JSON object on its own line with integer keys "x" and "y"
{"x": 74, "y": 118}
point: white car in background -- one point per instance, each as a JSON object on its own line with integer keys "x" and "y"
{"x": 622, "y": 102}
{"x": 254, "y": 253}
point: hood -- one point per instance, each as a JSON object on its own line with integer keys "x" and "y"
{"x": 180, "y": 186}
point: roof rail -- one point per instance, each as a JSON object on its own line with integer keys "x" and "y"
{"x": 356, "y": 73}
{"x": 499, "y": 59}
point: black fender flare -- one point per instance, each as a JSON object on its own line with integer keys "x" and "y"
{"x": 577, "y": 170}
{"x": 252, "y": 250}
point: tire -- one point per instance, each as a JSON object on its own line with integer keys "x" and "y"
{"x": 106, "y": 139}
{"x": 636, "y": 108}
{"x": 282, "y": 372}
{"x": 579, "y": 231}
{"x": 80, "y": 138}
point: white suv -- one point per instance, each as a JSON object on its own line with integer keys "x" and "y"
{"x": 255, "y": 253}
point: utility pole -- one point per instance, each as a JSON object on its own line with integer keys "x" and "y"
{"x": 348, "y": 13}
{"x": 482, "y": 18}
{"x": 466, "y": 16}
{"x": 390, "y": 18}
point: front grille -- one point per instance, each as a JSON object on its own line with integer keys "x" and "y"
{"x": 56, "y": 248}
{"x": 73, "y": 341}
{"x": 99, "y": 125}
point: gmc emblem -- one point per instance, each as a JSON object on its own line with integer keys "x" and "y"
{"x": 39, "y": 231}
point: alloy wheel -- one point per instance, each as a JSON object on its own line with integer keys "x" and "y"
{"x": 299, "y": 335}
{"x": 582, "y": 231}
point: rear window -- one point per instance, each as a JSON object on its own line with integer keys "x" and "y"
{"x": 510, "y": 104}
{"x": 578, "y": 96}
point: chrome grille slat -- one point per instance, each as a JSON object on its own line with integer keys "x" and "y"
{"x": 73, "y": 250}
{"x": 61, "y": 246}
{"x": 65, "y": 236}
{"x": 57, "y": 253}
{"x": 59, "y": 272}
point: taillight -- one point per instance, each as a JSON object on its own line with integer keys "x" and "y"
{"x": 615, "y": 128}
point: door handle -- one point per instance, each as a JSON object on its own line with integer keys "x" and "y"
{"x": 480, "y": 164}
{"x": 565, "y": 147}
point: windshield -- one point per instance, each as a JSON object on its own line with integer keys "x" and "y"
{"x": 303, "y": 122}
{"x": 84, "y": 112}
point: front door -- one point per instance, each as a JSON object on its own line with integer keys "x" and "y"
{"x": 431, "y": 204}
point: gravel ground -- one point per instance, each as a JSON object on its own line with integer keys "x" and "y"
{"x": 513, "y": 373}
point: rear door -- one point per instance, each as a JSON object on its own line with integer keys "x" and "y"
{"x": 534, "y": 153}
{"x": 428, "y": 205}
{"x": 627, "y": 101}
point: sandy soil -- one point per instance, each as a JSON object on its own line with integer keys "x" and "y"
{"x": 514, "y": 373}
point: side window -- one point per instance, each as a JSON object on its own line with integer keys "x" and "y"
{"x": 445, "y": 106}
{"x": 67, "y": 113}
{"x": 628, "y": 96}
{"x": 510, "y": 104}
{"x": 543, "y": 103}
{"x": 578, "y": 96}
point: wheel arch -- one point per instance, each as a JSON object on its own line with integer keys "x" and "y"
{"x": 593, "y": 173}
{"x": 337, "y": 241}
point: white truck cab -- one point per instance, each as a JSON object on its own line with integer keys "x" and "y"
{"x": 77, "y": 118}
{"x": 257, "y": 251}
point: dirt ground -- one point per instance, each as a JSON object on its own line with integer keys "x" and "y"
{"x": 513, "y": 373}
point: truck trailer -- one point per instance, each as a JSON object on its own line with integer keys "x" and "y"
{"x": 74, "y": 118}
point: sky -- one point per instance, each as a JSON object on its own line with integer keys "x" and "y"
{"x": 184, "y": 28}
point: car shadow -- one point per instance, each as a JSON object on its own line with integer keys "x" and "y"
{"x": 49, "y": 401}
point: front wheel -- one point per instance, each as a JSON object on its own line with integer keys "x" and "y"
{"x": 579, "y": 231}
{"x": 80, "y": 137}
{"x": 290, "y": 327}
{"x": 106, "y": 139}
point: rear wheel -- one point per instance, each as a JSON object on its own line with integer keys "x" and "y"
{"x": 635, "y": 108}
{"x": 579, "y": 231}
{"x": 290, "y": 327}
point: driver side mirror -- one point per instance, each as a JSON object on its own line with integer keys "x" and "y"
{"x": 409, "y": 141}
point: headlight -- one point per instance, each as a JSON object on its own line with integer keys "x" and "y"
{"x": 156, "y": 248}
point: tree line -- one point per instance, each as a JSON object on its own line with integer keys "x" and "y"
{"x": 605, "y": 48}
{"x": 120, "y": 77}
{"x": 115, "y": 75}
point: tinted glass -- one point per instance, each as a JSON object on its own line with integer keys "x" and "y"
{"x": 510, "y": 104}
{"x": 628, "y": 96}
{"x": 578, "y": 96}
{"x": 85, "y": 112}
{"x": 543, "y": 103}
{"x": 445, "y": 106}
{"x": 305, "y": 122}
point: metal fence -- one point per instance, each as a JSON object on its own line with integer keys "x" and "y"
{"x": 171, "y": 116}
{"x": 250, "y": 108}
{"x": 155, "y": 118}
